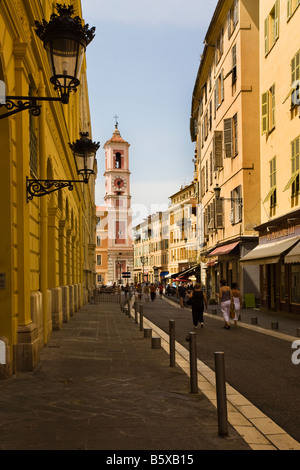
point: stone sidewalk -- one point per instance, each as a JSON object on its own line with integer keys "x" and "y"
{"x": 100, "y": 386}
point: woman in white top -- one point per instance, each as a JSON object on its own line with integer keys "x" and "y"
{"x": 237, "y": 300}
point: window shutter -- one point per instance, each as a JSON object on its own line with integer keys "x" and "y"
{"x": 295, "y": 68}
{"x": 276, "y": 21}
{"x": 222, "y": 86}
{"x": 264, "y": 112}
{"x": 217, "y": 150}
{"x": 266, "y": 35}
{"x": 233, "y": 73}
{"x": 205, "y": 223}
{"x": 235, "y": 13}
{"x": 219, "y": 213}
{"x": 216, "y": 96}
{"x": 229, "y": 23}
{"x": 235, "y": 135}
{"x": 228, "y": 137}
{"x": 208, "y": 218}
{"x": 212, "y": 216}
{"x": 289, "y": 8}
{"x": 240, "y": 206}
{"x": 232, "y": 207}
{"x": 273, "y": 105}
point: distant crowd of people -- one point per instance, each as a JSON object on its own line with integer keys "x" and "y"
{"x": 189, "y": 294}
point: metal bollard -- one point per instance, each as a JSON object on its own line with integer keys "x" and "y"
{"x": 274, "y": 325}
{"x": 221, "y": 393}
{"x": 214, "y": 311}
{"x": 135, "y": 313}
{"x": 172, "y": 342}
{"x": 147, "y": 333}
{"x": 156, "y": 342}
{"x": 193, "y": 363}
{"x": 141, "y": 317}
{"x": 298, "y": 332}
{"x": 254, "y": 320}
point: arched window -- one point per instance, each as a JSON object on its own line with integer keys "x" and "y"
{"x": 118, "y": 160}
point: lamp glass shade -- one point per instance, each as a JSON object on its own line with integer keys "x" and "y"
{"x": 65, "y": 57}
{"x": 85, "y": 163}
{"x": 217, "y": 191}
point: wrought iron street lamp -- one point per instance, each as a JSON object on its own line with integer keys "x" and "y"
{"x": 84, "y": 151}
{"x": 65, "y": 41}
{"x": 217, "y": 191}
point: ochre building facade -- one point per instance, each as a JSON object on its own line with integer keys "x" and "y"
{"x": 47, "y": 244}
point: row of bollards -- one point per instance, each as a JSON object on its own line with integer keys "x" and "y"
{"x": 219, "y": 362}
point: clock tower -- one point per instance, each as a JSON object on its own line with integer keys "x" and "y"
{"x": 118, "y": 207}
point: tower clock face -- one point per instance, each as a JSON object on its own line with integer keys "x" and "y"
{"x": 119, "y": 183}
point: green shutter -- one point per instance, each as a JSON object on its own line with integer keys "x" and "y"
{"x": 276, "y": 21}
{"x": 289, "y": 8}
{"x": 264, "y": 112}
{"x": 270, "y": 193}
{"x": 291, "y": 180}
{"x": 266, "y": 35}
{"x": 273, "y": 105}
{"x": 228, "y": 137}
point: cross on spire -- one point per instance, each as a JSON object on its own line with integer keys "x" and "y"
{"x": 116, "y": 118}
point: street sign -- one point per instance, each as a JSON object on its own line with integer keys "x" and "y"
{"x": 126, "y": 273}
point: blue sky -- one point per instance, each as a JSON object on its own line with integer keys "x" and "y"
{"x": 142, "y": 66}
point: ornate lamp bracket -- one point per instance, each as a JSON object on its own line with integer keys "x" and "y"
{"x": 39, "y": 188}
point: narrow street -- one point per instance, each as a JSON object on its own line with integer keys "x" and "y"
{"x": 257, "y": 365}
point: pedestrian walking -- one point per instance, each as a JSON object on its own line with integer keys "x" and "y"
{"x": 198, "y": 298}
{"x": 147, "y": 291}
{"x": 152, "y": 291}
{"x": 181, "y": 293}
{"x": 237, "y": 300}
{"x": 161, "y": 290}
{"x": 225, "y": 297}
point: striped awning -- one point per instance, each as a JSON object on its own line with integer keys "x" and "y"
{"x": 269, "y": 253}
{"x": 294, "y": 255}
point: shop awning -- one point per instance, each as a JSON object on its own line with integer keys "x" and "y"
{"x": 182, "y": 273}
{"x": 223, "y": 250}
{"x": 188, "y": 272}
{"x": 269, "y": 253}
{"x": 294, "y": 255}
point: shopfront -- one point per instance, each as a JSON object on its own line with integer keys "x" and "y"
{"x": 278, "y": 257}
{"x": 224, "y": 262}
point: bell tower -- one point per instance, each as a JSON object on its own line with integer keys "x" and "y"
{"x": 118, "y": 206}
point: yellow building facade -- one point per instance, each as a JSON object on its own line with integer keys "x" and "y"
{"x": 225, "y": 129}
{"x": 183, "y": 230}
{"x": 151, "y": 243}
{"x": 47, "y": 244}
{"x": 278, "y": 254}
